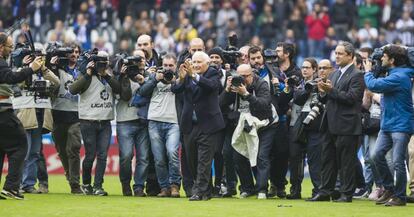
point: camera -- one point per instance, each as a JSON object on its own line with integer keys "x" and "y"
{"x": 314, "y": 113}
{"x": 59, "y": 51}
{"x": 377, "y": 69}
{"x": 131, "y": 62}
{"x": 293, "y": 81}
{"x": 270, "y": 56}
{"x": 168, "y": 74}
{"x": 312, "y": 85}
{"x": 237, "y": 80}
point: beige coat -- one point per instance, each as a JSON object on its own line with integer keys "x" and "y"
{"x": 28, "y": 116}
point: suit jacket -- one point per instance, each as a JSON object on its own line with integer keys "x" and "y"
{"x": 342, "y": 115}
{"x": 201, "y": 97}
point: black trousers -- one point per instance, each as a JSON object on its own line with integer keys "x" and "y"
{"x": 67, "y": 137}
{"x": 188, "y": 180}
{"x": 42, "y": 175}
{"x": 228, "y": 154}
{"x": 297, "y": 153}
{"x": 280, "y": 156}
{"x": 13, "y": 143}
{"x": 219, "y": 159}
{"x": 199, "y": 150}
{"x": 338, "y": 156}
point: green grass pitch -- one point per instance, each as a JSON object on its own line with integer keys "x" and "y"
{"x": 60, "y": 203}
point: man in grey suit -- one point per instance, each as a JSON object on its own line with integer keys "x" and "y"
{"x": 341, "y": 122}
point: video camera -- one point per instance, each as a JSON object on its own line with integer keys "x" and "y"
{"x": 231, "y": 53}
{"x": 131, "y": 62}
{"x": 25, "y": 49}
{"x": 62, "y": 53}
{"x": 377, "y": 69}
{"x": 270, "y": 56}
{"x": 101, "y": 62}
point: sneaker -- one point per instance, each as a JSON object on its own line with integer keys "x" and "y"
{"x": 410, "y": 198}
{"x": 245, "y": 194}
{"x": 359, "y": 193}
{"x": 164, "y": 193}
{"x": 230, "y": 192}
{"x": 376, "y": 194}
{"x": 43, "y": 189}
{"x": 99, "y": 192}
{"x": 139, "y": 192}
{"x": 29, "y": 190}
{"x": 126, "y": 189}
{"x": 87, "y": 189}
{"x": 395, "y": 201}
{"x": 272, "y": 191}
{"x": 75, "y": 189}
{"x": 175, "y": 191}
{"x": 261, "y": 196}
{"x": 385, "y": 197}
{"x": 12, "y": 194}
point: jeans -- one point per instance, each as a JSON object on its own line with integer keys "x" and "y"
{"x": 397, "y": 141}
{"x": 133, "y": 134}
{"x": 165, "y": 143}
{"x": 371, "y": 173}
{"x": 42, "y": 175}
{"x": 96, "y": 138}
{"x": 34, "y": 141}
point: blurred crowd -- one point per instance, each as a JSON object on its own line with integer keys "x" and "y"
{"x": 314, "y": 26}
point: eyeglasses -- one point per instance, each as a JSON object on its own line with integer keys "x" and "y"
{"x": 324, "y": 67}
{"x": 305, "y": 67}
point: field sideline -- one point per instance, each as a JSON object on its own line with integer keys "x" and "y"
{"x": 60, "y": 203}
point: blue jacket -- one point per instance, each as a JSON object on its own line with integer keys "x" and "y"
{"x": 397, "y": 105}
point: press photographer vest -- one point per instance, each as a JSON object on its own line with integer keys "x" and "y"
{"x": 124, "y": 110}
{"x": 162, "y": 106}
{"x": 64, "y": 101}
{"x": 97, "y": 102}
{"x": 27, "y": 100}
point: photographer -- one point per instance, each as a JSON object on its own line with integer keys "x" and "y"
{"x": 305, "y": 133}
{"x": 224, "y": 146}
{"x": 163, "y": 127}
{"x": 131, "y": 130}
{"x": 252, "y": 96}
{"x": 12, "y": 134}
{"x": 95, "y": 89}
{"x": 34, "y": 111}
{"x": 66, "y": 126}
{"x": 201, "y": 119}
{"x": 397, "y": 119}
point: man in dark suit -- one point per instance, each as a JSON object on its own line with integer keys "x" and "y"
{"x": 201, "y": 119}
{"x": 341, "y": 122}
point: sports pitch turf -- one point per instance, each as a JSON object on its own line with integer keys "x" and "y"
{"x": 60, "y": 203}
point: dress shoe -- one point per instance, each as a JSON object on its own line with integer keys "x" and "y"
{"x": 319, "y": 197}
{"x": 410, "y": 198}
{"x": 385, "y": 197}
{"x": 395, "y": 201}
{"x": 281, "y": 193}
{"x": 294, "y": 196}
{"x": 335, "y": 195}
{"x": 343, "y": 199}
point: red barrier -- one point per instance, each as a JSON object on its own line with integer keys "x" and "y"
{"x": 54, "y": 165}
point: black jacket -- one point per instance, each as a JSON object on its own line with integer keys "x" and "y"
{"x": 8, "y": 76}
{"x": 344, "y": 103}
{"x": 201, "y": 97}
{"x": 259, "y": 99}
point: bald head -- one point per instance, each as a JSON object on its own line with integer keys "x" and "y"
{"x": 246, "y": 71}
{"x": 144, "y": 42}
{"x": 196, "y": 44}
{"x": 325, "y": 68}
